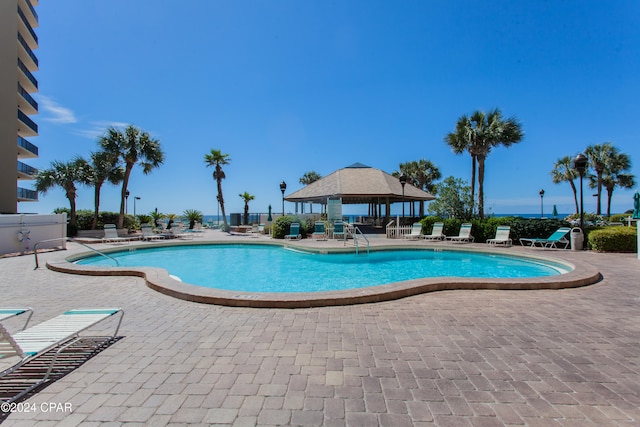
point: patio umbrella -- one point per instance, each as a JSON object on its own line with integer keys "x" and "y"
{"x": 269, "y": 218}
{"x": 555, "y": 211}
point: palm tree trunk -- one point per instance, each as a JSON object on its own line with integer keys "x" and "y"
{"x": 221, "y": 201}
{"x": 96, "y": 204}
{"x": 473, "y": 184}
{"x": 575, "y": 195}
{"x": 71, "y": 195}
{"x": 609, "y": 195}
{"x": 598, "y": 209}
{"x": 481, "y": 186}
{"x": 125, "y": 183}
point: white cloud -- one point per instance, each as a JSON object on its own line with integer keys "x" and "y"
{"x": 98, "y": 128}
{"x": 55, "y": 112}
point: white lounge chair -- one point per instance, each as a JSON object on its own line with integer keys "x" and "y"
{"x": 62, "y": 331}
{"x": 464, "y": 235}
{"x": 7, "y": 313}
{"x": 437, "y": 233}
{"x": 502, "y": 236}
{"x": 148, "y": 234}
{"x": 111, "y": 235}
{"x": 416, "y": 231}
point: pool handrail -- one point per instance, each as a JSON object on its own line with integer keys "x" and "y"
{"x": 66, "y": 239}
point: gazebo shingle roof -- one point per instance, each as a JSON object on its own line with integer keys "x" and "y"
{"x": 358, "y": 184}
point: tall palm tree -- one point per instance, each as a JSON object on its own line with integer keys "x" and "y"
{"x": 66, "y": 176}
{"x": 615, "y": 175}
{"x": 478, "y": 134}
{"x": 131, "y": 146}
{"x": 461, "y": 140}
{"x": 103, "y": 168}
{"x": 216, "y": 159}
{"x": 563, "y": 170}
{"x": 491, "y": 130}
{"x": 246, "y": 197}
{"x": 422, "y": 174}
{"x": 308, "y": 178}
{"x": 600, "y": 155}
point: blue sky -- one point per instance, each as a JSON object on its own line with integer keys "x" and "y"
{"x": 286, "y": 87}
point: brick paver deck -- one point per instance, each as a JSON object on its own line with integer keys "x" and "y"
{"x": 453, "y": 358}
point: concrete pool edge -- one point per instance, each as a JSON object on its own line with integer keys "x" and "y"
{"x": 581, "y": 274}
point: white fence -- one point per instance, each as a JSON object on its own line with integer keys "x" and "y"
{"x": 396, "y": 231}
{"x": 18, "y": 233}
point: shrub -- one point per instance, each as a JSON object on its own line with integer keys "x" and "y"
{"x": 84, "y": 218}
{"x": 614, "y": 239}
{"x": 282, "y": 226}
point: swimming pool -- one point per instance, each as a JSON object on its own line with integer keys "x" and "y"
{"x": 265, "y": 268}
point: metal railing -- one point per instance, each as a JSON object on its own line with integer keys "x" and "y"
{"x": 35, "y": 249}
{"x": 27, "y": 145}
{"x": 354, "y": 235}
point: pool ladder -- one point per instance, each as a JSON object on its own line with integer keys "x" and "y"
{"x": 355, "y": 234}
{"x": 67, "y": 239}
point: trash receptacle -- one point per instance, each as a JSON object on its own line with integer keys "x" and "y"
{"x": 577, "y": 239}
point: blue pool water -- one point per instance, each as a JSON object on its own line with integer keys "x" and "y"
{"x": 258, "y": 268}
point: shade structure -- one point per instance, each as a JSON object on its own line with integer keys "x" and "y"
{"x": 359, "y": 184}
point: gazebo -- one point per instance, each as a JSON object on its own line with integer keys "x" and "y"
{"x": 360, "y": 184}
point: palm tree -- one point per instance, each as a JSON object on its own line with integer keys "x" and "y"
{"x": 491, "y": 130}
{"x": 102, "y": 168}
{"x": 600, "y": 155}
{"x": 307, "y": 179}
{"x": 65, "y": 176}
{"x": 461, "y": 140}
{"x": 563, "y": 170}
{"x": 216, "y": 159}
{"x": 247, "y": 198}
{"x": 193, "y": 216}
{"x": 614, "y": 175}
{"x": 422, "y": 174}
{"x": 133, "y": 146}
{"x": 156, "y": 217}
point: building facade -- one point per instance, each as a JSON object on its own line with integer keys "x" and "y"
{"x": 18, "y": 40}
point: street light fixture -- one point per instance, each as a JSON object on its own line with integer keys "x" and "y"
{"x": 283, "y": 188}
{"x": 134, "y": 205}
{"x": 403, "y": 181}
{"x": 580, "y": 164}
{"x": 541, "y": 204}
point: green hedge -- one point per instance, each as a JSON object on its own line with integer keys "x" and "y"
{"x": 84, "y": 219}
{"x": 484, "y": 229}
{"x": 614, "y": 239}
{"x": 282, "y": 226}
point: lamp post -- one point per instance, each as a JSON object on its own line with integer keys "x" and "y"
{"x": 126, "y": 201}
{"x": 134, "y": 205}
{"x": 580, "y": 164}
{"x": 283, "y": 188}
{"x": 403, "y": 181}
{"x": 541, "y": 204}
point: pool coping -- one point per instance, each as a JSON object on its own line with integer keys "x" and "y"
{"x": 582, "y": 274}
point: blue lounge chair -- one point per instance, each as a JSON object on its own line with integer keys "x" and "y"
{"x": 60, "y": 332}
{"x": 338, "y": 230}
{"x": 294, "y": 232}
{"x": 554, "y": 241}
{"x": 319, "y": 232}
{"x": 464, "y": 235}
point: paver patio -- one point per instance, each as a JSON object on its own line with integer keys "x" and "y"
{"x": 454, "y": 358}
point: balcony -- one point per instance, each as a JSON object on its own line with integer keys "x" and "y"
{"x": 29, "y": 12}
{"x": 25, "y": 28}
{"x": 26, "y": 150}
{"x": 26, "y": 79}
{"x": 26, "y": 126}
{"x": 25, "y": 171}
{"x": 26, "y": 55}
{"x": 25, "y": 195}
{"x": 26, "y": 102}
